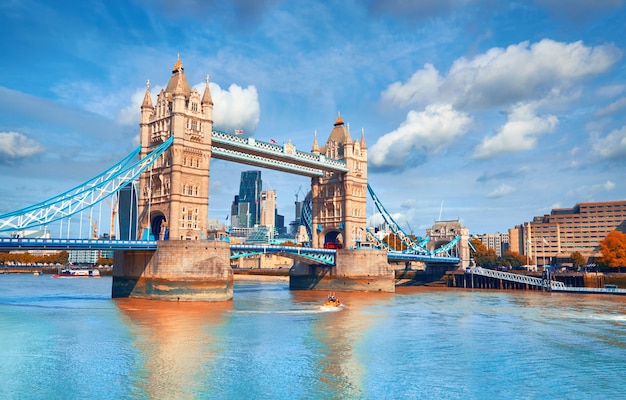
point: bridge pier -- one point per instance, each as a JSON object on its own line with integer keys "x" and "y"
{"x": 355, "y": 270}
{"x": 186, "y": 270}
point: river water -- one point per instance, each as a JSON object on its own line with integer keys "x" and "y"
{"x": 67, "y": 339}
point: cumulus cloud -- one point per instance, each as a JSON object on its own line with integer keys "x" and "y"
{"x": 612, "y": 146}
{"x": 15, "y": 146}
{"x": 235, "y": 108}
{"x": 421, "y": 134}
{"x": 519, "y": 133}
{"x": 505, "y": 76}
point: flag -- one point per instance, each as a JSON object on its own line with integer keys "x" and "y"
{"x": 238, "y": 131}
{"x": 272, "y": 141}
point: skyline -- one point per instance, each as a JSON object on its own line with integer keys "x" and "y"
{"x": 490, "y": 112}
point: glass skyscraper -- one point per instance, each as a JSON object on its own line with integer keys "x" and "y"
{"x": 249, "y": 199}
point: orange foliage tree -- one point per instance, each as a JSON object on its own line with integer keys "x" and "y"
{"x": 613, "y": 249}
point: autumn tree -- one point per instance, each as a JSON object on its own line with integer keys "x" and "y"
{"x": 484, "y": 256}
{"x": 578, "y": 260}
{"x": 613, "y": 249}
{"x": 513, "y": 259}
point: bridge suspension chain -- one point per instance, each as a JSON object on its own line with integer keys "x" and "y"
{"x": 84, "y": 196}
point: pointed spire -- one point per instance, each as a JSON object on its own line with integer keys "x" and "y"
{"x": 315, "y": 149}
{"x": 363, "y": 145}
{"x": 206, "y": 97}
{"x": 339, "y": 120}
{"x": 179, "y": 65}
{"x": 147, "y": 99}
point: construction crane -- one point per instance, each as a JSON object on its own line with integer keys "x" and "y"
{"x": 298, "y": 192}
{"x": 94, "y": 227}
{"x": 113, "y": 213}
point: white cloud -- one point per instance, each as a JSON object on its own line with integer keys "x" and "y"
{"x": 503, "y": 76}
{"x": 501, "y": 191}
{"x": 612, "y": 145}
{"x": 130, "y": 114}
{"x": 612, "y": 108}
{"x": 421, "y": 134}
{"x": 235, "y": 108}
{"x": 519, "y": 133}
{"x": 14, "y": 146}
{"x": 422, "y": 86}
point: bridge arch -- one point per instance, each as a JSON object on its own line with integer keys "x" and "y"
{"x": 158, "y": 225}
{"x": 333, "y": 236}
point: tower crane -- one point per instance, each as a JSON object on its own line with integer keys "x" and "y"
{"x": 113, "y": 213}
{"x": 94, "y": 227}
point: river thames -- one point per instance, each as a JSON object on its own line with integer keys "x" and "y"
{"x": 67, "y": 339}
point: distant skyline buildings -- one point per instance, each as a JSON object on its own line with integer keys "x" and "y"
{"x": 246, "y": 206}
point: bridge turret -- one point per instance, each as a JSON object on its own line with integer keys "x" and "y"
{"x": 339, "y": 199}
{"x": 174, "y": 192}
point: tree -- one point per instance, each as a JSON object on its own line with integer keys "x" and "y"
{"x": 613, "y": 249}
{"x": 513, "y": 259}
{"x": 483, "y": 256}
{"x": 578, "y": 261}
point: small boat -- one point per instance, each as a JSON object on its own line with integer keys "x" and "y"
{"x": 77, "y": 273}
{"x": 332, "y": 301}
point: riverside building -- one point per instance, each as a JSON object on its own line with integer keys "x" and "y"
{"x": 553, "y": 238}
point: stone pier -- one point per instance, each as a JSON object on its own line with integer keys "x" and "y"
{"x": 355, "y": 270}
{"x": 179, "y": 270}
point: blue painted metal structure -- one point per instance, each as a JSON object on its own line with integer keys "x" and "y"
{"x": 412, "y": 246}
{"x": 84, "y": 196}
{"x": 398, "y": 256}
{"x": 286, "y": 158}
{"x": 75, "y": 244}
{"x": 225, "y": 146}
{"x": 317, "y": 256}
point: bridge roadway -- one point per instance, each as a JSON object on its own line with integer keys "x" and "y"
{"x": 318, "y": 256}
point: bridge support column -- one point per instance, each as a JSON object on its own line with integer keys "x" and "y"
{"x": 355, "y": 270}
{"x": 185, "y": 270}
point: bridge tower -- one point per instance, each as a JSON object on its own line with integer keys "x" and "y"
{"x": 173, "y": 194}
{"x": 339, "y": 199}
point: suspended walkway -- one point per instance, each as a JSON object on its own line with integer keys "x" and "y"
{"x": 546, "y": 284}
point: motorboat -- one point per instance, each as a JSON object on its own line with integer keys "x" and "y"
{"x": 332, "y": 301}
{"x": 77, "y": 273}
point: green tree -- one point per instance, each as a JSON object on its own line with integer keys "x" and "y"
{"x": 578, "y": 260}
{"x": 613, "y": 249}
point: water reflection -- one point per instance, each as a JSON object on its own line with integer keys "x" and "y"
{"x": 335, "y": 340}
{"x": 175, "y": 340}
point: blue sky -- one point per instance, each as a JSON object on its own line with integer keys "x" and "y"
{"x": 488, "y": 111}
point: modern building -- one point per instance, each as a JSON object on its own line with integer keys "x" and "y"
{"x": 497, "y": 241}
{"x": 246, "y": 208}
{"x": 268, "y": 208}
{"x": 553, "y": 238}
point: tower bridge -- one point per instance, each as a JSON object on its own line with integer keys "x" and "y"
{"x": 177, "y": 143}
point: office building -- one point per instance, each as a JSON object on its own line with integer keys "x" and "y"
{"x": 553, "y": 238}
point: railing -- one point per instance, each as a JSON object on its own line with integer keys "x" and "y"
{"x": 529, "y": 280}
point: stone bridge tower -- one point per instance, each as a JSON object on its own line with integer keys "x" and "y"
{"x": 174, "y": 192}
{"x": 339, "y": 199}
